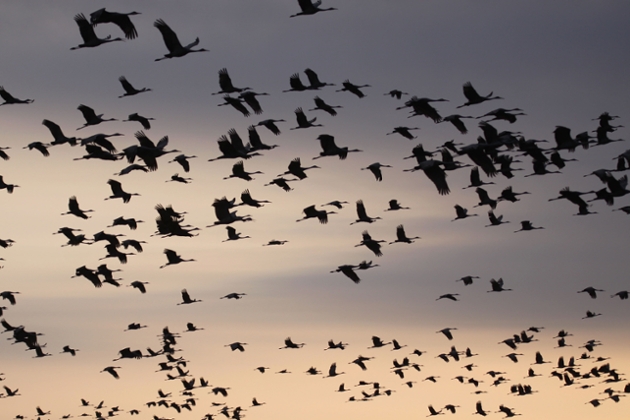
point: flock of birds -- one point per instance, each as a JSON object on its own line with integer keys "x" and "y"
{"x": 493, "y": 154}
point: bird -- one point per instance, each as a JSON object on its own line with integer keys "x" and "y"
{"x": 129, "y": 89}
{"x": 375, "y": 168}
{"x": 308, "y": 7}
{"x": 90, "y": 39}
{"x": 451, "y": 296}
{"x": 473, "y": 98}
{"x": 8, "y": 187}
{"x": 131, "y": 222}
{"x": 497, "y": 286}
{"x": 323, "y": 106}
{"x": 236, "y": 103}
{"x": 352, "y": 88}
{"x": 118, "y": 192}
{"x": 312, "y": 212}
{"x": 395, "y": 205}
{"x": 139, "y": 118}
{"x": 173, "y": 258}
{"x": 233, "y": 235}
{"x": 303, "y": 121}
{"x": 186, "y": 298}
{"x": 282, "y": 183}
{"x": 90, "y": 116}
{"x": 461, "y": 212}
{"x": 10, "y": 99}
{"x": 236, "y": 346}
{"x": 330, "y": 148}
{"x": 233, "y": 296}
{"x": 404, "y": 131}
{"x": 590, "y": 314}
{"x": 467, "y": 280}
{"x": 140, "y": 285}
{"x": 592, "y": 292}
{"x": 495, "y": 220}
{"x": 457, "y": 122}
{"x": 238, "y": 171}
{"x": 313, "y": 78}
{"x": 348, "y": 271}
{"x": 527, "y": 225}
{"x": 362, "y": 214}
{"x": 249, "y": 97}
{"x": 447, "y": 332}
{"x": 112, "y": 371}
{"x": 296, "y": 169}
{"x": 74, "y": 209}
{"x": 372, "y": 244}
{"x": 402, "y": 237}
{"x": 435, "y": 173}
{"x": 122, "y": 20}
{"x": 225, "y": 83}
{"x": 270, "y": 124}
{"x": 175, "y": 48}
{"x": 289, "y": 344}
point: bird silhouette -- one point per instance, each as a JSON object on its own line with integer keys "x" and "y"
{"x": 473, "y": 98}
{"x": 10, "y": 99}
{"x": 308, "y": 7}
{"x": 90, "y": 39}
{"x": 121, "y": 20}
{"x": 186, "y": 299}
{"x": 129, "y": 89}
{"x": 173, "y": 258}
{"x": 174, "y": 47}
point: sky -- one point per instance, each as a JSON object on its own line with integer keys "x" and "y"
{"x": 562, "y": 67}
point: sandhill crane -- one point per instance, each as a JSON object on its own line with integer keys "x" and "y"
{"x": 121, "y": 221}
{"x": 435, "y": 173}
{"x": 572, "y": 196}
{"x": 282, "y": 183}
{"x": 234, "y": 296}
{"x": 90, "y": 116}
{"x": 112, "y": 371}
{"x": 224, "y": 215}
{"x": 559, "y": 161}
{"x": 113, "y": 252}
{"x": 348, "y": 271}
{"x": 509, "y": 195}
{"x": 58, "y": 135}
{"x": 73, "y": 239}
{"x": 296, "y": 84}
{"x": 237, "y": 345}
{"x": 68, "y": 349}
{"x": 183, "y": 161}
{"x": 322, "y": 105}
{"x": 225, "y": 83}
{"x": 372, "y": 244}
{"x": 180, "y": 179}
{"x": 238, "y": 171}
{"x": 590, "y": 314}
{"x": 450, "y": 296}
{"x": 255, "y": 143}
{"x": 89, "y": 274}
{"x": 495, "y": 220}
{"x": 289, "y": 344}
{"x": 118, "y": 192}
{"x": 303, "y": 121}
{"x": 508, "y": 115}
{"x": 527, "y": 225}
{"x": 250, "y": 99}
{"x": 233, "y": 235}
{"x": 270, "y": 124}
{"x": 375, "y": 168}
{"x": 140, "y": 285}
{"x": 497, "y": 286}
{"x": 395, "y": 205}
{"x": 312, "y": 212}
{"x": 336, "y": 203}
{"x": 313, "y": 80}
{"x": 473, "y": 98}
{"x": 129, "y": 89}
{"x": 90, "y": 39}
{"x": 139, "y": 118}
{"x": 592, "y": 292}
{"x": 396, "y": 93}
{"x": 484, "y": 198}
{"x": 467, "y": 280}
{"x": 623, "y": 295}
{"x": 10, "y": 296}
{"x": 10, "y": 99}
{"x": 404, "y": 131}
{"x": 329, "y": 148}
{"x": 310, "y": 8}
{"x": 275, "y": 242}
{"x": 479, "y": 409}
{"x": 462, "y": 213}
{"x": 173, "y": 258}
{"x": 73, "y": 208}
{"x": 422, "y": 106}
{"x": 295, "y": 168}
{"x": 352, "y": 88}
{"x": 457, "y": 122}
{"x": 433, "y": 411}
{"x": 175, "y": 48}
{"x": 122, "y": 20}
{"x": 246, "y": 199}
{"x": 475, "y": 179}
{"x": 236, "y": 103}
{"x": 362, "y": 214}
{"x": 186, "y": 299}
{"x": 447, "y": 332}
{"x": 401, "y": 236}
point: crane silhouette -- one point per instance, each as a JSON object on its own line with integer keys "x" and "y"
{"x": 473, "y": 98}
{"x": 121, "y": 20}
{"x": 129, "y": 89}
{"x": 10, "y": 99}
{"x": 174, "y": 47}
{"x": 362, "y": 214}
{"x": 90, "y": 39}
{"x": 308, "y": 7}
{"x": 173, "y": 258}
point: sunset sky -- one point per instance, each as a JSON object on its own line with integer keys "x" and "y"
{"x": 561, "y": 66}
